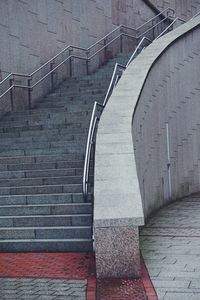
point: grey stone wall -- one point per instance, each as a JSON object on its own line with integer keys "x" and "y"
{"x": 166, "y": 126}
{"x": 32, "y": 31}
{"x": 184, "y": 8}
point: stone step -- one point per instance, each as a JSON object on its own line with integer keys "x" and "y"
{"x": 48, "y": 112}
{"x": 80, "y": 85}
{"x": 80, "y": 135}
{"x": 84, "y": 106}
{"x": 55, "y": 122}
{"x": 46, "y": 220}
{"x": 41, "y": 173}
{"x": 39, "y": 199}
{"x": 42, "y": 189}
{"x": 68, "y": 145}
{"x": 33, "y": 159}
{"x": 45, "y": 117}
{"x": 60, "y": 232}
{"x": 40, "y": 181}
{"x": 68, "y": 92}
{"x": 46, "y": 245}
{"x": 43, "y": 209}
{"x": 42, "y": 166}
{"x": 71, "y": 149}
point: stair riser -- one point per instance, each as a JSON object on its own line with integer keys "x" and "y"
{"x": 43, "y": 199}
{"x": 46, "y": 246}
{"x": 51, "y": 189}
{"x": 46, "y": 210}
{"x": 41, "y": 159}
{"x": 78, "y": 135}
{"x": 50, "y": 233}
{"x": 69, "y": 145}
{"x": 41, "y": 166}
{"x": 39, "y": 173}
{"x": 53, "y": 151}
{"x": 44, "y": 221}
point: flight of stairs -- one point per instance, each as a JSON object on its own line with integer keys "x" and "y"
{"x": 41, "y": 165}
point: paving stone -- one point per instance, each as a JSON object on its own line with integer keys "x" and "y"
{"x": 42, "y": 289}
{"x": 170, "y": 244}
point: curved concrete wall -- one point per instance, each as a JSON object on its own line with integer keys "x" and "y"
{"x": 162, "y": 87}
{"x": 166, "y": 125}
{"x": 31, "y": 32}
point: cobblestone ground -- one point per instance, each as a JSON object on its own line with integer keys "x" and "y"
{"x": 170, "y": 245}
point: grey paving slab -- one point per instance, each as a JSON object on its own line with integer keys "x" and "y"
{"x": 43, "y": 289}
{"x": 170, "y": 245}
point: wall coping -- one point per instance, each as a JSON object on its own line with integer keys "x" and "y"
{"x": 117, "y": 199}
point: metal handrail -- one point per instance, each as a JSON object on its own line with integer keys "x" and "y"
{"x": 149, "y": 29}
{"x": 136, "y": 50}
{"x": 94, "y": 118}
{"x": 171, "y": 25}
{"x": 86, "y": 50}
{"x": 160, "y": 14}
{"x": 198, "y": 13}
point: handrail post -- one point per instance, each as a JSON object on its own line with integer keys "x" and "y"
{"x": 121, "y": 40}
{"x": 70, "y": 62}
{"x": 11, "y": 93}
{"x": 105, "y": 49}
{"x": 52, "y": 74}
{"x": 29, "y": 93}
{"x": 87, "y": 63}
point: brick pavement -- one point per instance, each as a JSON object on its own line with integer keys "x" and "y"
{"x": 64, "y": 276}
{"x": 47, "y": 276}
{"x": 170, "y": 245}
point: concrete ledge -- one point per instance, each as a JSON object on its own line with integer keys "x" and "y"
{"x": 119, "y": 208}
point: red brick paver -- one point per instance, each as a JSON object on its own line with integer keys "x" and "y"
{"x": 76, "y": 266}
{"x": 46, "y": 265}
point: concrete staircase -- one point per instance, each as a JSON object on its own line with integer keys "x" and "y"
{"x": 41, "y": 165}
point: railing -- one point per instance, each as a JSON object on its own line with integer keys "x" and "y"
{"x": 197, "y": 14}
{"x": 117, "y": 73}
{"x": 171, "y": 26}
{"x": 97, "y": 54}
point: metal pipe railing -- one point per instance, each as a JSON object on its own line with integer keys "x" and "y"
{"x": 94, "y": 118}
{"x": 171, "y": 25}
{"x": 86, "y": 50}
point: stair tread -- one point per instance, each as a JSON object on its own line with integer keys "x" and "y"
{"x": 45, "y": 228}
{"x": 45, "y": 240}
{"x": 46, "y": 216}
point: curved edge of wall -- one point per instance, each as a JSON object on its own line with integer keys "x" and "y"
{"x": 118, "y": 208}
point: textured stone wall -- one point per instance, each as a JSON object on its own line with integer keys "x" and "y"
{"x": 166, "y": 125}
{"x": 184, "y": 8}
{"x": 32, "y": 31}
